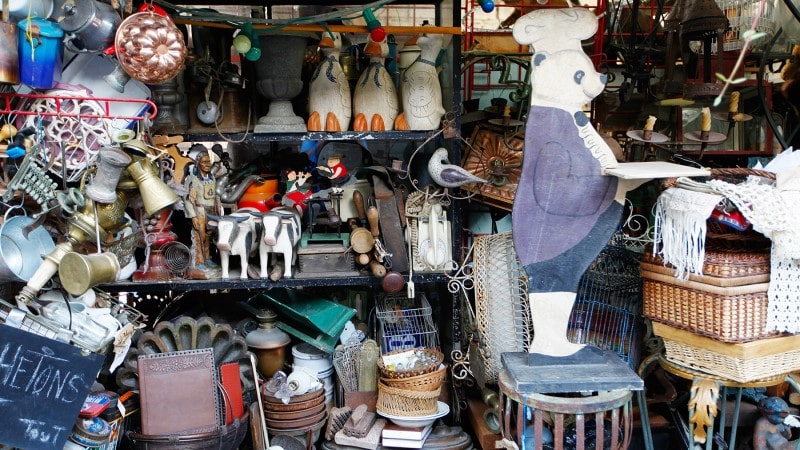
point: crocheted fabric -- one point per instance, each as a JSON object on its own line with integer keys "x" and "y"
{"x": 770, "y": 210}
{"x": 680, "y": 228}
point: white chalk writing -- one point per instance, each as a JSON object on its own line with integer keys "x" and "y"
{"x": 39, "y": 373}
{"x": 38, "y": 431}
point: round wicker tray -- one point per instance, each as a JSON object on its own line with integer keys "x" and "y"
{"x": 393, "y": 374}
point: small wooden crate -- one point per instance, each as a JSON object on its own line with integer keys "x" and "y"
{"x": 325, "y": 260}
{"x": 742, "y": 362}
{"x": 725, "y": 313}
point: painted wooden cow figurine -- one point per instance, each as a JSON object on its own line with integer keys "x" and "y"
{"x": 237, "y": 234}
{"x": 281, "y": 233}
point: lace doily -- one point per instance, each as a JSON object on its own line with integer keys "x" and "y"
{"x": 770, "y": 210}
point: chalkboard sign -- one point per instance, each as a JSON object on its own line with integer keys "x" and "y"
{"x": 43, "y": 384}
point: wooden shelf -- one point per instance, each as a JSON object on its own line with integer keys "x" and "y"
{"x": 336, "y": 28}
{"x": 238, "y": 284}
{"x": 314, "y": 136}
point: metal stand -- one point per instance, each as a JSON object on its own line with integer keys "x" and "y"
{"x": 707, "y": 390}
{"x": 310, "y": 237}
{"x": 590, "y": 382}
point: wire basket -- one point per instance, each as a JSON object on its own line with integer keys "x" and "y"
{"x": 37, "y": 324}
{"x": 405, "y": 323}
{"x": 407, "y": 403}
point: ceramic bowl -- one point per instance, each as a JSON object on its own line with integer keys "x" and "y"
{"x": 417, "y": 421}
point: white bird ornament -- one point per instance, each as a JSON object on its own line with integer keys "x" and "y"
{"x": 449, "y": 175}
{"x": 375, "y": 102}
{"x": 329, "y": 97}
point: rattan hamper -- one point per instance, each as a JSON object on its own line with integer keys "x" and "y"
{"x": 721, "y": 268}
{"x": 742, "y": 362}
{"x": 724, "y": 313}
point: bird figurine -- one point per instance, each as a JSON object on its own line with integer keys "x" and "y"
{"x": 375, "y": 102}
{"x": 420, "y": 89}
{"x": 449, "y": 175}
{"x": 329, "y": 91}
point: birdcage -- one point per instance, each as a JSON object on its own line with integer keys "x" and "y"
{"x": 608, "y": 307}
{"x": 740, "y": 14}
{"x": 405, "y": 323}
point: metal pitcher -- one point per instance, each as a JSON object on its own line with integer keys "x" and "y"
{"x": 9, "y": 58}
{"x": 90, "y": 25}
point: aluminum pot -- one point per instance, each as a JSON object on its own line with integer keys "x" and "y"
{"x": 21, "y": 256}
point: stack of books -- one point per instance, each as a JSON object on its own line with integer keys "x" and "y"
{"x": 404, "y": 437}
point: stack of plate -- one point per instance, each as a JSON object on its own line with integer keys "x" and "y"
{"x": 303, "y": 414}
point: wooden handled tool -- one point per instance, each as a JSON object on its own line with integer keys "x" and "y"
{"x": 377, "y": 269}
{"x": 358, "y": 201}
{"x": 373, "y": 218}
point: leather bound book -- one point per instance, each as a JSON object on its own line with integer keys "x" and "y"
{"x": 178, "y": 392}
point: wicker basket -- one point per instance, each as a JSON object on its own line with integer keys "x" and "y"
{"x": 723, "y": 268}
{"x": 743, "y": 362}
{"x": 425, "y": 382}
{"x": 407, "y": 403}
{"x": 430, "y": 352}
{"x": 728, "y": 314}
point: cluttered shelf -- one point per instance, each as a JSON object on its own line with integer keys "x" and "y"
{"x": 238, "y": 284}
{"x": 212, "y": 135}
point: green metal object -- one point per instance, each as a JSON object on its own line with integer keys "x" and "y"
{"x": 324, "y": 238}
{"x": 314, "y": 320}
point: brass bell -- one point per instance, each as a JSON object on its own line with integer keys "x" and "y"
{"x": 103, "y": 188}
{"x": 79, "y": 273}
{"x": 136, "y": 147}
{"x": 156, "y": 195}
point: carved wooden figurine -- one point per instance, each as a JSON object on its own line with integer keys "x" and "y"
{"x": 236, "y": 236}
{"x": 565, "y": 209}
{"x": 420, "y": 88}
{"x": 280, "y": 235}
{"x": 201, "y": 201}
{"x": 329, "y": 99}
{"x": 375, "y": 102}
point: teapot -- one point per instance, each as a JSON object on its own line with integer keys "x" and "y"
{"x": 90, "y": 25}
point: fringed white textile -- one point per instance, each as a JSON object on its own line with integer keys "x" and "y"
{"x": 680, "y": 228}
{"x": 770, "y": 209}
{"x": 783, "y": 311}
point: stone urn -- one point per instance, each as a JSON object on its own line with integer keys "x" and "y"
{"x": 279, "y": 80}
